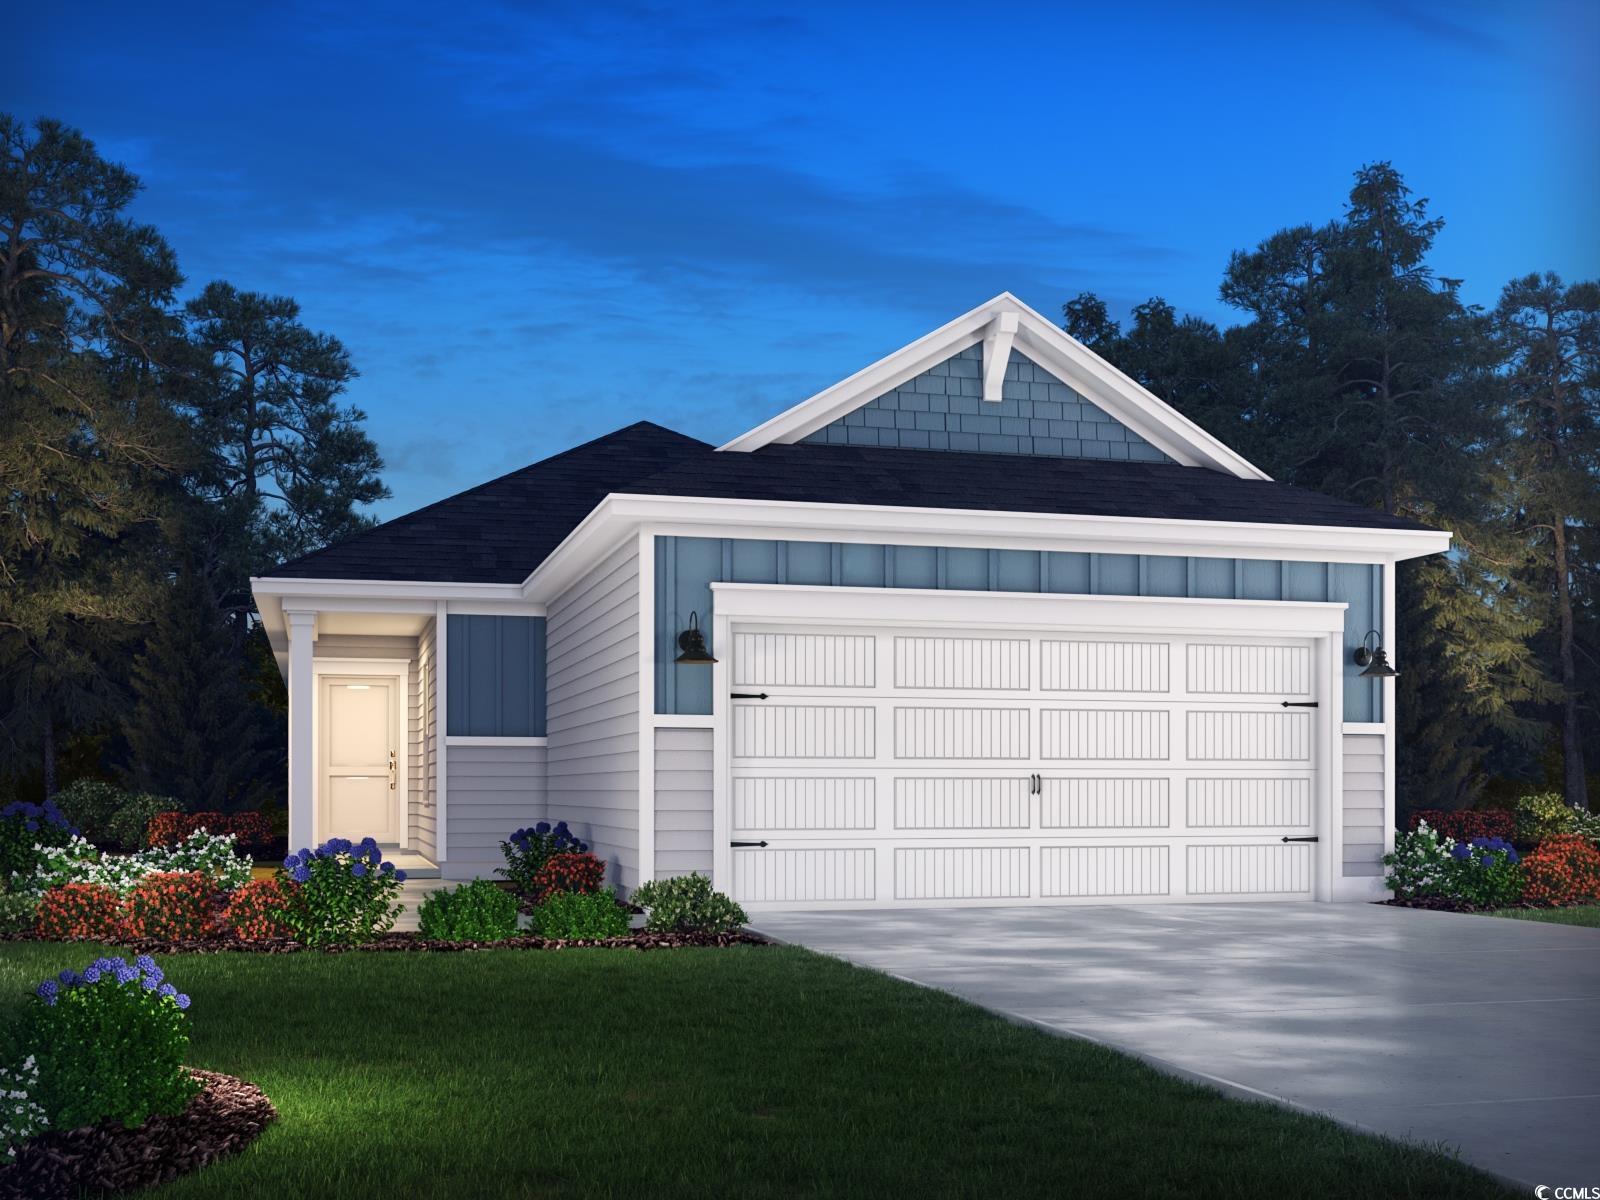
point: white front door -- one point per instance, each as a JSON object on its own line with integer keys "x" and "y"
{"x": 918, "y": 766}
{"x": 362, "y": 759}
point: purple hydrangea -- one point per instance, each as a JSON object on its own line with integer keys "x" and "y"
{"x": 300, "y": 874}
{"x": 291, "y": 862}
{"x": 47, "y": 990}
{"x": 358, "y": 869}
{"x": 181, "y": 1000}
{"x": 400, "y": 876}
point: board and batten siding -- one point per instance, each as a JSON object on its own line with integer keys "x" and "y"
{"x": 684, "y": 767}
{"x": 1364, "y": 823}
{"x": 492, "y": 790}
{"x": 592, "y": 712}
{"x": 686, "y": 568}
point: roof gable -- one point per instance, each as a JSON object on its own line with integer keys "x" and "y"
{"x": 943, "y": 409}
{"x": 1007, "y": 333}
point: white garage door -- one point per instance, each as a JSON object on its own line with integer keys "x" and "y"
{"x": 902, "y": 767}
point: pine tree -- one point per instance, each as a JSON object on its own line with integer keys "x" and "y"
{"x": 195, "y": 731}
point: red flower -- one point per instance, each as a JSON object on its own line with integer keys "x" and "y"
{"x": 1563, "y": 870}
{"x": 569, "y": 873}
{"x": 80, "y": 910}
{"x": 171, "y": 904}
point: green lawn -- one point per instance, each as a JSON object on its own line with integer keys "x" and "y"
{"x": 1587, "y": 915}
{"x": 747, "y": 1072}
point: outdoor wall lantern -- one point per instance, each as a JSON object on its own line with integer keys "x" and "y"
{"x": 1375, "y": 660}
{"x": 693, "y": 644}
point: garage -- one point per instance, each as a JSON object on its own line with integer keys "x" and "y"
{"x": 1059, "y": 751}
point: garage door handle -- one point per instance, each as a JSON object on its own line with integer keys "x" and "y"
{"x": 747, "y": 695}
{"x": 1300, "y": 704}
{"x": 747, "y": 843}
{"x": 1312, "y": 838}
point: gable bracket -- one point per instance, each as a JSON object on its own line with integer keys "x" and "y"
{"x": 997, "y": 342}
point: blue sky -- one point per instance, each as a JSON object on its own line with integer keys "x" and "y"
{"x": 535, "y": 223}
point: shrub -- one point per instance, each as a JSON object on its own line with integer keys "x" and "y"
{"x": 1585, "y": 824}
{"x": 586, "y": 916}
{"x": 171, "y": 904}
{"x": 687, "y": 905}
{"x": 21, "y": 1118}
{"x": 1484, "y": 873}
{"x": 1466, "y": 825}
{"x": 89, "y": 805}
{"x": 131, "y": 821}
{"x": 19, "y": 913}
{"x": 474, "y": 912}
{"x": 24, "y": 828}
{"x": 569, "y": 872}
{"x": 1542, "y": 815}
{"x": 109, "y": 1044}
{"x": 1563, "y": 870}
{"x": 1419, "y": 865}
{"x": 260, "y": 909}
{"x": 346, "y": 892}
{"x": 528, "y": 850}
{"x": 80, "y": 910}
{"x": 170, "y": 828}
{"x": 79, "y": 862}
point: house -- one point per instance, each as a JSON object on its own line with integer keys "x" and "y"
{"x": 991, "y": 624}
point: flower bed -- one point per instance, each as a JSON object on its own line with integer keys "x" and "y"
{"x": 638, "y": 939}
{"x": 251, "y": 830}
{"x": 224, "y": 1117}
{"x": 1466, "y": 825}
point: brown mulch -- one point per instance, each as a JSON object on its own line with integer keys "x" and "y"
{"x": 1436, "y": 903}
{"x": 639, "y": 939}
{"x": 225, "y": 1117}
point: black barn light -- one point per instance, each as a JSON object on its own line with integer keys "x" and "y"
{"x": 693, "y": 644}
{"x": 1375, "y": 660}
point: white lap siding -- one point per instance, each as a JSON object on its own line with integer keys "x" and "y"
{"x": 592, "y": 656}
{"x": 684, "y": 768}
{"x": 1365, "y": 823}
{"x": 492, "y": 791}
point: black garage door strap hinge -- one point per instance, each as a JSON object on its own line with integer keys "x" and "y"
{"x": 1312, "y": 838}
{"x": 1300, "y": 704}
{"x": 747, "y": 695}
{"x": 747, "y": 844}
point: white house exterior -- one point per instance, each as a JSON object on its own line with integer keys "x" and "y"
{"x": 992, "y": 625}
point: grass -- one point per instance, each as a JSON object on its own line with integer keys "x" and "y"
{"x": 751, "y": 1072}
{"x": 1587, "y": 915}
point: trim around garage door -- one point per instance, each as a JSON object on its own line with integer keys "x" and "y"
{"x": 756, "y": 607}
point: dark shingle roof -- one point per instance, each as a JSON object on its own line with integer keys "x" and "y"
{"x": 501, "y": 531}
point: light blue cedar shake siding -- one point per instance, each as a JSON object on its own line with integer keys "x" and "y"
{"x": 943, "y": 409}
{"x": 686, "y": 568}
{"x": 497, "y": 686}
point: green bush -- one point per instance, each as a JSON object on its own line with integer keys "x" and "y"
{"x": 19, "y": 912}
{"x": 130, "y": 822}
{"x": 108, "y": 816}
{"x": 347, "y": 892}
{"x": 27, "y": 834}
{"x": 1542, "y": 815}
{"x": 109, "y": 1044}
{"x": 474, "y": 912}
{"x": 687, "y": 905}
{"x": 586, "y": 916}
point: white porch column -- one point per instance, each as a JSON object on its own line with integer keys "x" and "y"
{"x": 302, "y": 730}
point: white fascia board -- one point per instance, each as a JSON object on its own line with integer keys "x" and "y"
{"x": 1052, "y": 348}
{"x": 1132, "y": 614}
{"x": 799, "y": 521}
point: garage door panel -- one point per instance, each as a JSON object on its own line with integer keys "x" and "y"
{"x": 1233, "y": 735}
{"x": 1104, "y": 666}
{"x": 968, "y": 664}
{"x": 1245, "y": 869}
{"x": 1104, "y": 871}
{"x": 961, "y": 873}
{"x": 1105, "y": 734}
{"x": 951, "y": 733}
{"x": 820, "y": 660}
{"x": 966, "y": 803}
{"x": 1105, "y": 802}
{"x": 1262, "y": 802}
{"x": 1216, "y": 669}
{"x": 821, "y": 731}
{"x": 805, "y": 875}
{"x": 789, "y": 803}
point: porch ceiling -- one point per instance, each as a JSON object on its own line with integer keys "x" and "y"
{"x": 371, "y": 624}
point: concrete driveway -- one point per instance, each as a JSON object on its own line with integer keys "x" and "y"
{"x": 1477, "y": 1032}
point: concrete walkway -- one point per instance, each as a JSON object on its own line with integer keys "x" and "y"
{"x": 1476, "y": 1032}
